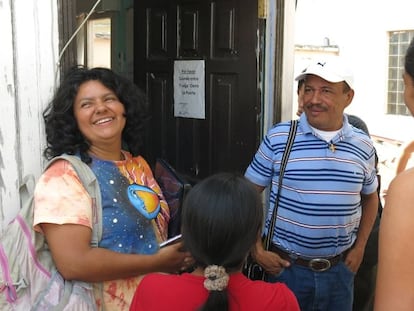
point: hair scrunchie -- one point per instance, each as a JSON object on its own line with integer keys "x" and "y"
{"x": 216, "y": 278}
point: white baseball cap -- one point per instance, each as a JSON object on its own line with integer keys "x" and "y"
{"x": 331, "y": 70}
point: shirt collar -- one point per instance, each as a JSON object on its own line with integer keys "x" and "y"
{"x": 346, "y": 130}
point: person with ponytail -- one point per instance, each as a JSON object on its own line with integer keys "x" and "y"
{"x": 221, "y": 218}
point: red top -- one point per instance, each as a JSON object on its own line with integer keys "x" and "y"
{"x": 186, "y": 292}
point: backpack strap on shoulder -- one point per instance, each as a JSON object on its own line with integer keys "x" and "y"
{"x": 91, "y": 184}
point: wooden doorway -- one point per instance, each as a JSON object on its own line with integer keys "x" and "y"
{"x": 224, "y": 35}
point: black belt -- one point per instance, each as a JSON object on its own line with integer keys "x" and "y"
{"x": 315, "y": 264}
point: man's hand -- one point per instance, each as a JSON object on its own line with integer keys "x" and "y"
{"x": 271, "y": 262}
{"x": 354, "y": 259}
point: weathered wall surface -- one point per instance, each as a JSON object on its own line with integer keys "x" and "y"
{"x": 28, "y": 66}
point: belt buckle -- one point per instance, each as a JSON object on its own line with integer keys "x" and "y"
{"x": 313, "y": 263}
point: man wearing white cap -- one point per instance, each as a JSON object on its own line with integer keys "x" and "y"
{"x": 328, "y": 201}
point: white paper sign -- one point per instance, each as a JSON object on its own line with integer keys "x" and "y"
{"x": 189, "y": 89}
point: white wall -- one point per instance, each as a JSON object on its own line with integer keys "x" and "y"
{"x": 28, "y": 64}
{"x": 360, "y": 29}
{"x": 288, "y": 62}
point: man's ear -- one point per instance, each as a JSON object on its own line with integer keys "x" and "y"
{"x": 350, "y": 95}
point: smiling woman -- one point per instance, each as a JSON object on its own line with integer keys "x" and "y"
{"x": 93, "y": 113}
{"x": 101, "y": 119}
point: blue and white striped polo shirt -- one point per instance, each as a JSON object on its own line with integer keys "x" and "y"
{"x": 320, "y": 202}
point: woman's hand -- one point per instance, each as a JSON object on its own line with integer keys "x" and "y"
{"x": 174, "y": 259}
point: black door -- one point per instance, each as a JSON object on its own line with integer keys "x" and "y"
{"x": 224, "y": 35}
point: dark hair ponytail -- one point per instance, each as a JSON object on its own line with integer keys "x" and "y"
{"x": 221, "y": 218}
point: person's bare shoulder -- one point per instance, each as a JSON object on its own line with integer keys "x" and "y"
{"x": 409, "y": 147}
{"x": 405, "y": 179}
{"x": 400, "y": 192}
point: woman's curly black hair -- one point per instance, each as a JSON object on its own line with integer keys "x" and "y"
{"x": 62, "y": 132}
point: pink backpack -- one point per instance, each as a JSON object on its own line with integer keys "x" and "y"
{"x": 29, "y": 279}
